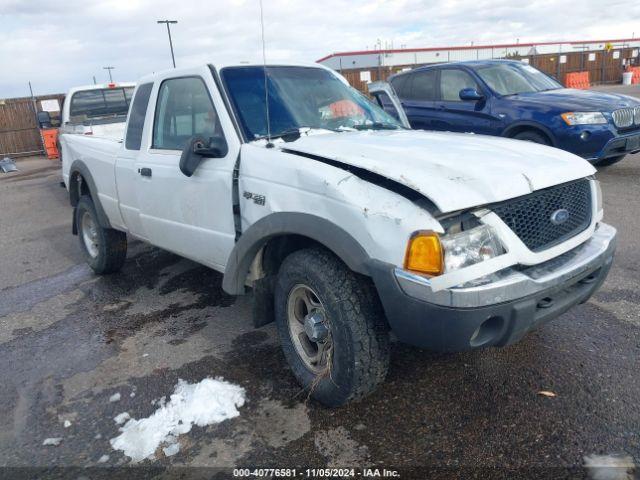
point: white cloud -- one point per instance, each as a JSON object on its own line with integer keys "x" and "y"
{"x": 56, "y": 45}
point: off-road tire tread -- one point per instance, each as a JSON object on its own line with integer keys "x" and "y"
{"x": 113, "y": 246}
{"x": 362, "y": 311}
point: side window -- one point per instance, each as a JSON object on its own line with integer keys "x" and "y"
{"x": 424, "y": 86}
{"x": 401, "y": 85}
{"x": 383, "y": 100}
{"x": 452, "y": 81}
{"x": 184, "y": 109}
{"x": 136, "y": 117}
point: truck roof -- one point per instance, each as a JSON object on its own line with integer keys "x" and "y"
{"x": 100, "y": 86}
{"x": 173, "y": 72}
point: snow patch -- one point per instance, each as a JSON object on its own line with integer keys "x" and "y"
{"x": 115, "y": 397}
{"x": 121, "y": 418}
{"x": 210, "y": 401}
{"x": 52, "y": 441}
{"x": 171, "y": 449}
{"x": 103, "y": 459}
{"x": 67, "y": 424}
{"x": 609, "y": 467}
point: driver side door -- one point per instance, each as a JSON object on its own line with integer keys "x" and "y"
{"x": 191, "y": 216}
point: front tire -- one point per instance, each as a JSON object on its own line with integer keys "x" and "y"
{"x": 531, "y": 136}
{"x": 105, "y": 249}
{"x": 605, "y": 162}
{"x": 332, "y": 328}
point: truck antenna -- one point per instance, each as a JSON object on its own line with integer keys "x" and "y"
{"x": 266, "y": 86}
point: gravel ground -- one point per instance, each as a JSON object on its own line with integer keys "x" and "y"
{"x": 70, "y": 340}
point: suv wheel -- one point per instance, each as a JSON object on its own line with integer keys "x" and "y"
{"x": 332, "y": 328}
{"x": 532, "y": 136}
{"x": 608, "y": 161}
{"x": 105, "y": 249}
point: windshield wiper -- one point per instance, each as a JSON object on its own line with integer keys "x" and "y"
{"x": 292, "y": 134}
{"x": 375, "y": 126}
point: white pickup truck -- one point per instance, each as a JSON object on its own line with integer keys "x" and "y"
{"x": 345, "y": 225}
{"x": 99, "y": 110}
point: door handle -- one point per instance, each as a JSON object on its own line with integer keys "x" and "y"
{"x": 145, "y": 172}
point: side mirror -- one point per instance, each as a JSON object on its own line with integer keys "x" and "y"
{"x": 197, "y": 149}
{"x": 470, "y": 94}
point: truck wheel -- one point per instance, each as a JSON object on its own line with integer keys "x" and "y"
{"x": 105, "y": 249}
{"x": 605, "y": 162}
{"x": 332, "y": 327}
{"x": 531, "y": 136}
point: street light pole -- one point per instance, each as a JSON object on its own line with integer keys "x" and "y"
{"x": 168, "y": 22}
{"x": 109, "y": 69}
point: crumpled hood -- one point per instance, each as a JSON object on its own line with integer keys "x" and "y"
{"x": 455, "y": 171}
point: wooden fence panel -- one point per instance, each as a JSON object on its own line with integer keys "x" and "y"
{"x": 19, "y": 132}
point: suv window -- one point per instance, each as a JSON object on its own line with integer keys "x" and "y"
{"x": 454, "y": 80}
{"x": 184, "y": 109}
{"x": 401, "y": 85}
{"x": 424, "y": 86}
{"x": 136, "y": 117}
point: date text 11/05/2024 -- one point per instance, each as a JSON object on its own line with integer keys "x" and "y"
{"x": 316, "y": 473}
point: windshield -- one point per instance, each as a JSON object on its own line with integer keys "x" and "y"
{"x": 513, "y": 78}
{"x": 299, "y": 97}
{"x": 100, "y": 102}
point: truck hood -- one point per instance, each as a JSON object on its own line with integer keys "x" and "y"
{"x": 569, "y": 99}
{"x": 455, "y": 171}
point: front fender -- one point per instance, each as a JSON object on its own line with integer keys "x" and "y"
{"x": 277, "y": 224}
{"x": 530, "y": 124}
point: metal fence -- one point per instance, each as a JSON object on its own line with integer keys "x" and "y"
{"x": 605, "y": 61}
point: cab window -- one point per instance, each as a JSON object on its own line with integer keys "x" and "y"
{"x": 184, "y": 109}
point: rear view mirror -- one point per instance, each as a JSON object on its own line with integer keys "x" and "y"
{"x": 470, "y": 94}
{"x": 197, "y": 149}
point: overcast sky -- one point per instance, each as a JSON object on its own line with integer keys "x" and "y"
{"x": 59, "y": 44}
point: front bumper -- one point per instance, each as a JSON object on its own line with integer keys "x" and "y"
{"x": 617, "y": 146}
{"x": 601, "y": 141}
{"x": 497, "y": 313}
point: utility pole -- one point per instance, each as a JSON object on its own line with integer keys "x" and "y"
{"x": 168, "y": 22}
{"x": 109, "y": 69}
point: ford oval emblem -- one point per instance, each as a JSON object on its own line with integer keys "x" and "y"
{"x": 560, "y": 216}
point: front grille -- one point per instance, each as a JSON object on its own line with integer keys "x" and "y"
{"x": 637, "y": 116}
{"x": 530, "y": 216}
{"x": 624, "y": 117}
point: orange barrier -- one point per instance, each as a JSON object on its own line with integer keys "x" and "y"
{"x": 577, "y": 80}
{"x": 636, "y": 75}
{"x": 50, "y": 141}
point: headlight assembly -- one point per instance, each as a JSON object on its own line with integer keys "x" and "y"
{"x": 470, "y": 247}
{"x": 583, "y": 118}
{"x": 432, "y": 254}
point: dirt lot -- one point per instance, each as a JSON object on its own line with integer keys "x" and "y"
{"x": 70, "y": 340}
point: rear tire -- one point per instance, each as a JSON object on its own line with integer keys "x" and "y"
{"x": 355, "y": 347}
{"x": 105, "y": 249}
{"x": 532, "y": 136}
{"x": 605, "y": 162}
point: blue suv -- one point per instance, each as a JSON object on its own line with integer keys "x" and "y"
{"x": 513, "y": 99}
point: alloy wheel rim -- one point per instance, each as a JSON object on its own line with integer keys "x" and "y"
{"x": 309, "y": 329}
{"x": 89, "y": 235}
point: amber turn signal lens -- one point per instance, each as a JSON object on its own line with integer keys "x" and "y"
{"x": 424, "y": 254}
